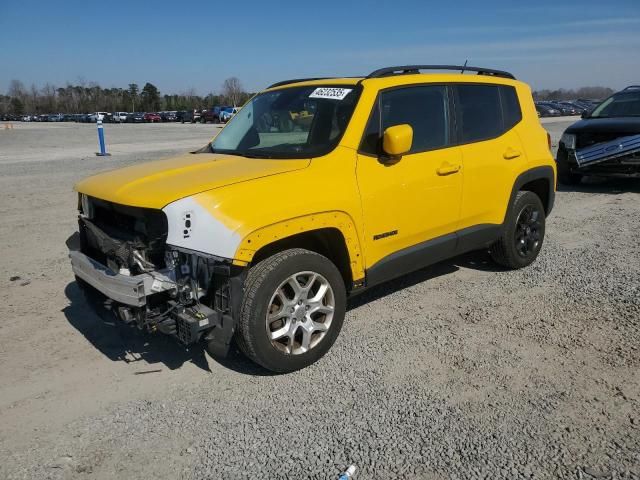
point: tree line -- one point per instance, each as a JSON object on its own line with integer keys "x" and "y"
{"x": 91, "y": 97}
{"x": 593, "y": 93}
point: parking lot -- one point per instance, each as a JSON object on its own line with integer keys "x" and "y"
{"x": 460, "y": 370}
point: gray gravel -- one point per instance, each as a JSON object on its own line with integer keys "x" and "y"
{"x": 457, "y": 371}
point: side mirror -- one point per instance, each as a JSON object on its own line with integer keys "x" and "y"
{"x": 397, "y": 140}
{"x": 585, "y": 114}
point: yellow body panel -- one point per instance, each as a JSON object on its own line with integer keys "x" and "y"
{"x": 155, "y": 184}
{"x": 407, "y": 202}
{"x": 261, "y": 200}
{"x": 324, "y": 195}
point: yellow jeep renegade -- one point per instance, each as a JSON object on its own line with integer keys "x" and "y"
{"x": 318, "y": 189}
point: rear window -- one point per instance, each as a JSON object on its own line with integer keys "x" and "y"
{"x": 478, "y": 112}
{"x": 485, "y": 111}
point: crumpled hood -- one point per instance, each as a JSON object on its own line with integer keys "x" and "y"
{"x": 156, "y": 184}
{"x": 622, "y": 125}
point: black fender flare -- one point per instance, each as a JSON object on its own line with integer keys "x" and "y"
{"x": 544, "y": 172}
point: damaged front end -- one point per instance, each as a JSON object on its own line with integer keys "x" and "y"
{"x": 603, "y": 154}
{"x": 160, "y": 288}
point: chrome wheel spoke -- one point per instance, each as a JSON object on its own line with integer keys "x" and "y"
{"x": 310, "y": 281}
{"x": 295, "y": 286}
{"x": 306, "y": 340}
{"x": 280, "y": 333}
{"x": 320, "y": 308}
{"x": 290, "y": 342}
{"x": 322, "y": 291}
{"x": 320, "y": 327}
{"x": 282, "y": 313}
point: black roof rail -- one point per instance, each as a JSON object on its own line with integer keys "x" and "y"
{"x": 296, "y": 80}
{"x": 632, "y": 87}
{"x": 406, "y": 69}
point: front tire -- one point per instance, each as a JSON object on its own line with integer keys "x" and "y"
{"x": 293, "y": 310}
{"x": 523, "y": 232}
{"x": 565, "y": 175}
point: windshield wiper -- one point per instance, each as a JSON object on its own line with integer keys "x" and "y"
{"x": 255, "y": 155}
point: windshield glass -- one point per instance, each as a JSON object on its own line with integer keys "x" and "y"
{"x": 295, "y": 122}
{"x": 624, "y": 104}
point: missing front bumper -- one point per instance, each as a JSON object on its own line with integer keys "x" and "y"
{"x": 124, "y": 289}
{"x": 134, "y": 298}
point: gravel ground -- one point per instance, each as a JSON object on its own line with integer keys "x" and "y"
{"x": 457, "y": 371}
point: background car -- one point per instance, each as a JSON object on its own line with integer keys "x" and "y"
{"x": 94, "y": 117}
{"x": 135, "y": 117}
{"x": 564, "y": 109}
{"x": 547, "y": 111}
{"x": 168, "y": 116}
{"x": 605, "y": 143}
{"x": 571, "y": 108}
{"x": 213, "y": 114}
{"x": 152, "y": 117}
{"x": 227, "y": 113}
{"x": 190, "y": 116}
{"x": 119, "y": 117}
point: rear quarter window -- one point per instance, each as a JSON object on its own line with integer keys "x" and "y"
{"x": 510, "y": 106}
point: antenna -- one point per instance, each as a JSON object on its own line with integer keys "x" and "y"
{"x": 464, "y": 66}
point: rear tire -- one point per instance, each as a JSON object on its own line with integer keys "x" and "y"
{"x": 293, "y": 309}
{"x": 522, "y": 234}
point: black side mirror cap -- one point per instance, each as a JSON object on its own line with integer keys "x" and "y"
{"x": 585, "y": 114}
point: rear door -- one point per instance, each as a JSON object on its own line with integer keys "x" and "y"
{"x": 492, "y": 152}
{"x": 416, "y": 198}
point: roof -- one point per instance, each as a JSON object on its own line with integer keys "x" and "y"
{"x": 390, "y": 76}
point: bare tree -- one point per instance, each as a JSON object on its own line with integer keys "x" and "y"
{"x": 17, "y": 90}
{"x": 232, "y": 90}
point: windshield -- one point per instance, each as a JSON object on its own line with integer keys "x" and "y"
{"x": 624, "y": 104}
{"x": 295, "y": 122}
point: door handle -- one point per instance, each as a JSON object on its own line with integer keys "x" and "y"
{"x": 511, "y": 153}
{"x": 448, "y": 168}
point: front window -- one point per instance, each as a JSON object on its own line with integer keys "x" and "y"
{"x": 624, "y": 104}
{"x": 295, "y": 122}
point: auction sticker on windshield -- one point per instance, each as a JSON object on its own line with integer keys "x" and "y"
{"x": 330, "y": 93}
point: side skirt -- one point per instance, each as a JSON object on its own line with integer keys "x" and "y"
{"x": 432, "y": 251}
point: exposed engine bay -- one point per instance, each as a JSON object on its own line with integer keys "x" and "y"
{"x": 123, "y": 254}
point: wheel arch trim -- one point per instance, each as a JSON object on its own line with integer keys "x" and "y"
{"x": 545, "y": 172}
{"x": 338, "y": 220}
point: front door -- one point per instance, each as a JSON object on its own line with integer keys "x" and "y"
{"x": 417, "y": 198}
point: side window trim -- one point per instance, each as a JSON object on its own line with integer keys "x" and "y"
{"x": 450, "y": 133}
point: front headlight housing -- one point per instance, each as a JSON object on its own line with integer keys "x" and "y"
{"x": 569, "y": 141}
{"x": 86, "y": 208}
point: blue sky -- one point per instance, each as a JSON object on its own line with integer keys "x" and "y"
{"x": 197, "y": 44}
